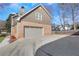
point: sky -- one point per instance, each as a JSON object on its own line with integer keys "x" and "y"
{"x": 9, "y": 8}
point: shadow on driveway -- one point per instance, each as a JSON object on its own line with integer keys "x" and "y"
{"x": 67, "y": 46}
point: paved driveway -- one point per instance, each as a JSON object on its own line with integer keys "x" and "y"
{"x": 67, "y": 46}
{"x": 27, "y": 47}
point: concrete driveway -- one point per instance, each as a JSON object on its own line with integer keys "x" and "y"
{"x": 27, "y": 47}
{"x": 66, "y": 46}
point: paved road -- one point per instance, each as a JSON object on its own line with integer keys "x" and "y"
{"x": 67, "y": 46}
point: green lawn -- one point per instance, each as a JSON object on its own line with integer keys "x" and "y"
{"x": 1, "y": 39}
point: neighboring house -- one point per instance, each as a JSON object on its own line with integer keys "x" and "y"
{"x": 33, "y": 24}
{"x": 2, "y": 26}
{"x": 67, "y": 27}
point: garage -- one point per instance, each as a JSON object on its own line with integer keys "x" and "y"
{"x": 33, "y": 32}
{"x": 32, "y": 24}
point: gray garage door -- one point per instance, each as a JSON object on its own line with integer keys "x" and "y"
{"x": 31, "y": 32}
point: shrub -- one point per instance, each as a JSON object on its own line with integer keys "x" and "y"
{"x": 3, "y": 35}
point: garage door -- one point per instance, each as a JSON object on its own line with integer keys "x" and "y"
{"x": 31, "y": 32}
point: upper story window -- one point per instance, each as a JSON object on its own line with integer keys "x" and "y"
{"x": 38, "y": 16}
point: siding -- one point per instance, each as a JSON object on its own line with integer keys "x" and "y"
{"x": 31, "y": 16}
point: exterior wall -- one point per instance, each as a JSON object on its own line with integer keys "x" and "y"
{"x": 29, "y": 20}
{"x": 13, "y": 31}
{"x": 22, "y": 24}
{"x": 47, "y": 29}
{"x": 31, "y": 17}
{"x": 14, "y": 26}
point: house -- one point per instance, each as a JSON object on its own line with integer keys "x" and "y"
{"x": 33, "y": 24}
{"x": 67, "y": 27}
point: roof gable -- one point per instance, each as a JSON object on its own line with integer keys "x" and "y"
{"x": 40, "y": 5}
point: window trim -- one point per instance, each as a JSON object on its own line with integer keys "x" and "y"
{"x": 38, "y": 16}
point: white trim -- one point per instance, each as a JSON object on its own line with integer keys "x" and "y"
{"x": 18, "y": 18}
{"x": 33, "y": 9}
{"x": 38, "y": 16}
{"x": 46, "y": 10}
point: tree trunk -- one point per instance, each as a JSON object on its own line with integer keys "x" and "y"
{"x": 73, "y": 19}
{"x": 63, "y": 16}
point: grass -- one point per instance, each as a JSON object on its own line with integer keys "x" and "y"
{"x": 1, "y": 38}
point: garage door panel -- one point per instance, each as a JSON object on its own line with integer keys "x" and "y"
{"x": 33, "y": 32}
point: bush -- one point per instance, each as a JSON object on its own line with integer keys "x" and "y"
{"x": 3, "y": 35}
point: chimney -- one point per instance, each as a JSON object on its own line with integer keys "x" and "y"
{"x": 21, "y": 11}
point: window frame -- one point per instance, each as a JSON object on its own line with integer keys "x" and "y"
{"x": 38, "y": 16}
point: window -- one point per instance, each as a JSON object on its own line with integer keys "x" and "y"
{"x": 38, "y": 16}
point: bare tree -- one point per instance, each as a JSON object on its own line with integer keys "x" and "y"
{"x": 69, "y": 10}
{"x": 74, "y": 9}
{"x": 63, "y": 15}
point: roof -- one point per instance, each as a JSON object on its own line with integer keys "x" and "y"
{"x": 19, "y": 18}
